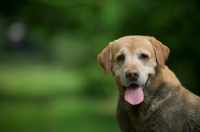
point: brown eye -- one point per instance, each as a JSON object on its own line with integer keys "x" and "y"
{"x": 144, "y": 56}
{"x": 121, "y": 58}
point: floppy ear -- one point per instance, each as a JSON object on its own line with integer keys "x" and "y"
{"x": 162, "y": 52}
{"x": 104, "y": 59}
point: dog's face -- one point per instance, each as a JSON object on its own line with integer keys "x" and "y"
{"x": 133, "y": 61}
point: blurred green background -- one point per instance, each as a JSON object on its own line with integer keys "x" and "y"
{"x": 50, "y": 80}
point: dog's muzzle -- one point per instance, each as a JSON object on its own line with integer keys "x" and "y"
{"x": 144, "y": 86}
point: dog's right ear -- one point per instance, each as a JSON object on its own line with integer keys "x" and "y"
{"x": 105, "y": 58}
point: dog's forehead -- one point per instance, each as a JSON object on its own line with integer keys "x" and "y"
{"x": 132, "y": 43}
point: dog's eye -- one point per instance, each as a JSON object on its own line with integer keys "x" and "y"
{"x": 144, "y": 56}
{"x": 120, "y": 58}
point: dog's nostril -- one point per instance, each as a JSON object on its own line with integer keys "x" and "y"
{"x": 136, "y": 74}
{"x": 128, "y": 74}
{"x": 132, "y": 74}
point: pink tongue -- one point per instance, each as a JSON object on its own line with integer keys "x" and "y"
{"x": 134, "y": 95}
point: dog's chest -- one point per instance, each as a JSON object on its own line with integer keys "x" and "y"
{"x": 133, "y": 118}
{"x": 141, "y": 127}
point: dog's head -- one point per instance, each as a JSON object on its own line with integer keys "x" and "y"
{"x": 133, "y": 60}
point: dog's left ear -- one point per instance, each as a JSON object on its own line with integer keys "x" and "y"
{"x": 104, "y": 59}
{"x": 162, "y": 51}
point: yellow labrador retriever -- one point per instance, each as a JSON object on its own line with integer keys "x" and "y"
{"x": 151, "y": 98}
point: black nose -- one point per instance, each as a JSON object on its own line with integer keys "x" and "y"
{"x": 132, "y": 74}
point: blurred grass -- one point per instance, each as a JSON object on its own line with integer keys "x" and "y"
{"x": 38, "y": 79}
{"x": 47, "y": 98}
{"x": 57, "y": 115}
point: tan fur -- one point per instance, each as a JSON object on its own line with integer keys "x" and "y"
{"x": 167, "y": 106}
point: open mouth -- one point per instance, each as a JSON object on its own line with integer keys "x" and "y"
{"x": 135, "y": 85}
{"x": 134, "y": 93}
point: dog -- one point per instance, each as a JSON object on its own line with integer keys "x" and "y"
{"x": 151, "y": 98}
